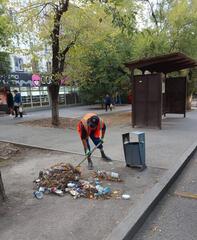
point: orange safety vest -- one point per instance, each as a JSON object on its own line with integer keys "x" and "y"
{"x": 84, "y": 121}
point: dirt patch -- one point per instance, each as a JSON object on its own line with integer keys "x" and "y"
{"x": 11, "y": 153}
{"x": 7, "y": 150}
{"x": 112, "y": 119}
{"x": 46, "y": 122}
{"x": 115, "y": 119}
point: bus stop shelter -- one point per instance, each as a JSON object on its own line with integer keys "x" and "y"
{"x": 155, "y": 94}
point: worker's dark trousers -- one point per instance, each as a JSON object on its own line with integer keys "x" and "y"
{"x": 95, "y": 141}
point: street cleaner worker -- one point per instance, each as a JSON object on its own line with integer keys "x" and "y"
{"x": 94, "y": 127}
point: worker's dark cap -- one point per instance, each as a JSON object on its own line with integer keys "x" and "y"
{"x": 93, "y": 121}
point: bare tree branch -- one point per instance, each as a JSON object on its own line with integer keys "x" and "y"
{"x": 30, "y": 7}
{"x": 152, "y": 12}
{"x": 64, "y": 6}
{"x": 38, "y": 5}
{"x": 63, "y": 53}
{"x": 56, "y": 55}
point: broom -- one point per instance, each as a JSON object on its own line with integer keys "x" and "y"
{"x": 78, "y": 166}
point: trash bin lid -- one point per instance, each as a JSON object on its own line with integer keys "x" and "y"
{"x": 138, "y": 133}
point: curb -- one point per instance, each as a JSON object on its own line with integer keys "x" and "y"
{"x": 129, "y": 226}
{"x": 47, "y": 148}
{"x": 41, "y": 148}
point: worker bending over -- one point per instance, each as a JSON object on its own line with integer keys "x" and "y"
{"x": 94, "y": 127}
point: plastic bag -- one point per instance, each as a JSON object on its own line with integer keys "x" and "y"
{"x": 20, "y": 109}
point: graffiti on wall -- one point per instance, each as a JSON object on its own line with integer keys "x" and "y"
{"x": 36, "y": 80}
{"x": 16, "y": 79}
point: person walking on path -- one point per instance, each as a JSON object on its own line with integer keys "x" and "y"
{"x": 108, "y": 102}
{"x": 17, "y": 104}
{"x": 94, "y": 127}
{"x": 10, "y": 102}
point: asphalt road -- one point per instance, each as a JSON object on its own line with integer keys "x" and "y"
{"x": 175, "y": 217}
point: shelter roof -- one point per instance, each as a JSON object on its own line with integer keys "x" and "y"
{"x": 165, "y": 63}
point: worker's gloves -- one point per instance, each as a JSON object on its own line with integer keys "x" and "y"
{"x": 102, "y": 140}
{"x": 88, "y": 153}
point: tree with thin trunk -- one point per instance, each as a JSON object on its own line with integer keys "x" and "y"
{"x": 58, "y": 59}
{"x": 52, "y": 16}
{"x": 48, "y": 15}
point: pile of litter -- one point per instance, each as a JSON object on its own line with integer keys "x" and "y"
{"x": 58, "y": 176}
{"x": 64, "y": 178}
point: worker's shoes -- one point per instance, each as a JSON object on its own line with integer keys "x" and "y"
{"x": 104, "y": 157}
{"x": 90, "y": 164}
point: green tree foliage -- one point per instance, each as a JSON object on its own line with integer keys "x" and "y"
{"x": 64, "y": 24}
{"x": 6, "y": 26}
{"x": 150, "y": 42}
{"x": 99, "y": 69}
{"x": 46, "y": 19}
{"x": 6, "y": 32}
{"x": 172, "y": 28}
{"x": 91, "y": 39}
{"x": 182, "y": 22}
{"x": 5, "y": 65}
{"x": 96, "y": 63}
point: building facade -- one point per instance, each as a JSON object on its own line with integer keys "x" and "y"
{"x": 32, "y": 88}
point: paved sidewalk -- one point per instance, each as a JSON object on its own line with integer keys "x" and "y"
{"x": 163, "y": 147}
{"x": 166, "y": 149}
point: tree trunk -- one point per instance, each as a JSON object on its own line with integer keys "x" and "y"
{"x": 189, "y": 102}
{"x": 54, "y": 97}
{"x": 2, "y": 191}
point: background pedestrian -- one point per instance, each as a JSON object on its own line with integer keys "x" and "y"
{"x": 17, "y": 104}
{"x": 108, "y": 102}
{"x": 10, "y": 102}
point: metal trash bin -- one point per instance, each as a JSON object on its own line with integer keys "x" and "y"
{"x": 134, "y": 152}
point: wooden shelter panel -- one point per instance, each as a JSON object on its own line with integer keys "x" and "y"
{"x": 147, "y": 100}
{"x": 138, "y": 112}
{"x": 175, "y": 95}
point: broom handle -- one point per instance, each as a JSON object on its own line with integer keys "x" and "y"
{"x": 90, "y": 154}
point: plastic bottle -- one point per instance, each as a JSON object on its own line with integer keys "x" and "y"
{"x": 102, "y": 173}
{"x": 59, "y": 192}
{"x": 100, "y": 189}
{"x": 38, "y": 195}
{"x": 112, "y": 174}
{"x": 74, "y": 193}
{"x": 97, "y": 182}
{"x": 125, "y": 196}
{"x": 71, "y": 185}
{"x": 42, "y": 189}
{"x": 106, "y": 190}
